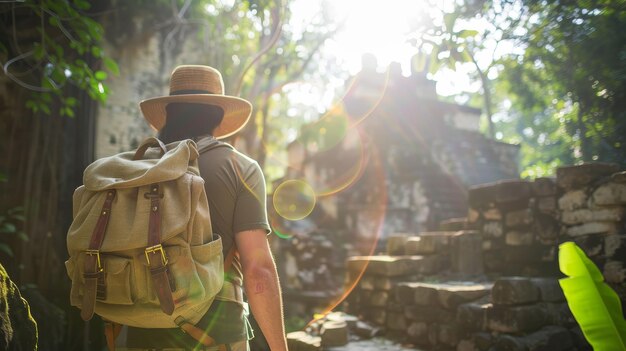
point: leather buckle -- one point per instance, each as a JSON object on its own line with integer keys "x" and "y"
{"x": 98, "y": 262}
{"x": 155, "y": 249}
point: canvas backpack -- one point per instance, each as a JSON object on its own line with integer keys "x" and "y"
{"x": 142, "y": 250}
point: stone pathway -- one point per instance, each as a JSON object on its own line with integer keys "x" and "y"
{"x": 378, "y": 344}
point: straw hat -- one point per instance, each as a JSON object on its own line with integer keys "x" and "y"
{"x": 200, "y": 85}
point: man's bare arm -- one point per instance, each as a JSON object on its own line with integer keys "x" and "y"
{"x": 260, "y": 281}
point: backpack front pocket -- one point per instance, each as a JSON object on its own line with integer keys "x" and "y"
{"x": 116, "y": 287}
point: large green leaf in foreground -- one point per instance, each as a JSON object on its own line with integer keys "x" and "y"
{"x": 595, "y": 305}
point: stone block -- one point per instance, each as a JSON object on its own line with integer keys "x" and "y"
{"x": 558, "y": 313}
{"x": 513, "y": 194}
{"x": 396, "y": 321}
{"x": 609, "y": 194}
{"x": 376, "y": 315}
{"x": 549, "y": 289}
{"x": 614, "y": 272}
{"x": 390, "y": 283}
{"x": 574, "y": 177}
{"x": 518, "y": 218}
{"x": 514, "y": 291}
{"x": 473, "y": 316}
{"x": 396, "y": 243}
{"x": 334, "y": 333}
{"x": 428, "y": 243}
{"x": 493, "y": 229}
{"x": 472, "y": 216}
{"x": 619, "y": 177}
{"x": 301, "y": 341}
{"x": 593, "y": 245}
{"x": 378, "y": 298}
{"x": 467, "y": 253}
{"x": 452, "y": 295}
{"x": 519, "y": 238}
{"x": 453, "y": 224}
{"x": 405, "y": 293}
{"x": 593, "y": 228}
{"x": 613, "y": 214}
{"x": 546, "y": 228}
{"x": 579, "y": 340}
{"x": 515, "y": 319}
{"x": 546, "y": 204}
{"x": 390, "y": 266}
{"x": 550, "y": 338}
{"x": 367, "y": 282}
{"x": 543, "y": 186}
{"x": 448, "y": 334}
{"x": 417, "y": 332}
{"x": 365, "y": 330}
{"x": 466, "y": 345}
{"x": 573, "y": 200}
{"x": 482, "y": 196}
{"x": 483, "y": 341}
{"x": 492, "y": 214}
{"x": 429, "y": 314}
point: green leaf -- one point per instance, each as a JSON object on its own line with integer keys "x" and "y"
{"x": 6, "y": 249}
{"x": 449, "y": 19}
{"x": 22, "y": 236}
{"x": 101, "y": 75}
{"x": 8, "y": 228}
{"x": 467, "y": 33}
{"x": 595, "y": 306}
{"x": 111, "y": 65}
{"x": 82, "y": 4}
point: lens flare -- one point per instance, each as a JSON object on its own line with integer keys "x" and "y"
{"x": 294, "y": 200}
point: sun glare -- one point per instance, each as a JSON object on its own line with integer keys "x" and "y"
{"x": 377, "y": 27}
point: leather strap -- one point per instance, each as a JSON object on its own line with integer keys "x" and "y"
{"x": 93, "y": 266}
{"x": 200, "y": 335}
{"x": 155, "y": 255}
{"x": 152, "y": 141}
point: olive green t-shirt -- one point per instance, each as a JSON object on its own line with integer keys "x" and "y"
{"x": 235, "y": 189}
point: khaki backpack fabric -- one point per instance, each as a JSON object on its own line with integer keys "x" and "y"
{"x": 133, "y": 280}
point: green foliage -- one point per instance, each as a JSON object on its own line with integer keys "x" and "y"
{"x": 57, "y": 58}
{"x": 594, "y": 304}
{"x": 11, "y": 222}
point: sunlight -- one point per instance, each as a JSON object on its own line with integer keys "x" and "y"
{"x": 379, "y": 28}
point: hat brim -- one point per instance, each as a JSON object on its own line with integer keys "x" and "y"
{"x": 236, "y": 111}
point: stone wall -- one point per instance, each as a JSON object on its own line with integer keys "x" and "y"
{"x": 490, "y": 281}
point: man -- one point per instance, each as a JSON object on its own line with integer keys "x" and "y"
{"x": 198, "y": 109}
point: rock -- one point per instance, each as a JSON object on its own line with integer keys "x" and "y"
{"x": 482, "y": 197}
{"x": 515, "y": 319}
{"x": 396, "y": 244}
{"x": 390, "y": 283}
{"x": 614, "y": 272}
{"x": 472, "y": 217}
{"x": 367, "y": 282}
{"x": 546, "y": 228}
{"x": 390, "y": 266}
{"x": 613, "y": 244}
{"x": 378, "y": 298}
{"x": 549, "y": 289}
{"x": 301, "y": 341}
{"x": 429, "y": 314}
{"x": 467, "y": 253}
{"x": 579, "y": 339}
{"x": 546, "y": 204}
{"x": 18, "y": 329}
{"x": 613, "y": 214}
{"x": 405, "y": 293}
{"x": 574, "y": 177}
{"x": 396, "y": 321}
{"x": 518, "y": 218}
{"x": 425, "y": 294}
{"x": 593, "y": 228}
{"x": 514, "y": 291}
{"x": 483, "y": 341}
{"x": 558, "y": 313}
{"x": 573, "y": 200}
{"x": 543, "y": 186}
{"x": 452, "y": 295}
{"x": 513, "y": 193}
{"x": 609, "y": 194}
{"x": 417, "y": 332}
{"x": 551, "y": 338}
{"x": 466, "y": 345}
{"x": 428, "y": 243}
{"x": 365, "y": 330}
{"x": 619, "y": 177}
{"x": 492, "y": 229}
{"x": 448, "y": 334}
{"x": 334, "y": 333}
{"x": 492, "y": 214}
{"x": 473, "y": 315}
{"x": 519, "y": 238}
{"x": 453, "y": 224}
{"x": 377, "y": 315}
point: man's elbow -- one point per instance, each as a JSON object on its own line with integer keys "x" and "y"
{"x": 260, "y": 278}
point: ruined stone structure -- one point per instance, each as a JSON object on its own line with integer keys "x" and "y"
{"x": 494, "y": 284}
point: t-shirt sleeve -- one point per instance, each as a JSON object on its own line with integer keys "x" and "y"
{"x": 250, "y": 207}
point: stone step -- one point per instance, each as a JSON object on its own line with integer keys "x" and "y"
{"x": 428, "y": 243}
{"x": 446, "y": 295}
{"x": 393, "y": 266}
{"x": 574, "y": 177}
